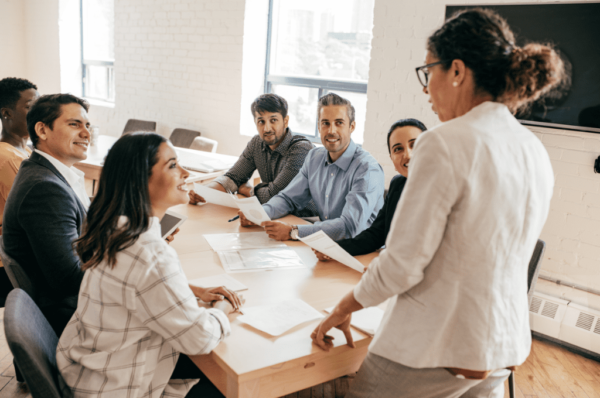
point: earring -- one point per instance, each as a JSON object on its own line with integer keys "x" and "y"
{"x": 455, "y": 84}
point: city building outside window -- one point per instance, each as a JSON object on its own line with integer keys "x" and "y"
{"x": 315, "y": 47}
{"x": 98, "y": 49}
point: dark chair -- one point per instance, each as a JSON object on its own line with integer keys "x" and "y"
{"x": 183, "y": 138}
{"x": 134, "y": 125}
{"x": 532, "y": 276}
{"x": 33, "y": 344}
{"x": 16, "y": 274}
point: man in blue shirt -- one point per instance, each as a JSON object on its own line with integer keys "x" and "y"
{"x": 345, "y": 182}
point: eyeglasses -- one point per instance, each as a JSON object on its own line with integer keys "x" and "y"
{"x": 423, "y": 73}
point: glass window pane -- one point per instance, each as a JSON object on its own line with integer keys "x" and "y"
{"x": 359, "y": 102}
{"x": 97, "y": 78}
{"x": 324, "y": 38}
{"x": 302, "y": 107}
{"x": 98, "y": 30}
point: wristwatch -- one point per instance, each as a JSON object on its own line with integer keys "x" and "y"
{"x": 294, "y": 233}
{"x": 252, "y": 191}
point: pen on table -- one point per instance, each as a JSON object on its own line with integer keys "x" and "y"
{"x": 234, "y": 218}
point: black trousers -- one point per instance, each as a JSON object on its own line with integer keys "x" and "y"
{"x": 186, "y": 369}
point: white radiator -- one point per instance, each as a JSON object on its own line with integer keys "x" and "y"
{"x": 565, "y": 321}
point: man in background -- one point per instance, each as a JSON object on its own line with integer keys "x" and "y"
{"x": 275, "y": 152}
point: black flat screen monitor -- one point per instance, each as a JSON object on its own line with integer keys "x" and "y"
{"x": 574, "y": 29}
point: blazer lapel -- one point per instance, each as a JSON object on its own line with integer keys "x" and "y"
{"x": 42, "y": 161}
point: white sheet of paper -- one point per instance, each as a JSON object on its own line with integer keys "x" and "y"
{"x": 260, "y": 259}
{"x": 323, "y": 243}
{"x": 219, "y": 280}
{"x": 215, "y": 197}
{"x": 252, "y": 209}
{"x": 276, "y": 319}
{"x": 366, "y": 320}
{"x": 237, "y": 241}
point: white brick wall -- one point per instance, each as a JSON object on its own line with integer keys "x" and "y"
{"x": 178, "y": 62}
{"x": 573, "y": 228}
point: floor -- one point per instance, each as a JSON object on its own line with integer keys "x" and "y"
{"x": 550, "y": 372}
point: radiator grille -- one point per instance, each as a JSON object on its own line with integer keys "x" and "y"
{"x": 597, "y": 328}
{"x": 584, "y": 321}
{"x": 549, "y": 309}
{"x": 535, "y": 305}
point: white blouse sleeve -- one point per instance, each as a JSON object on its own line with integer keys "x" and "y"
{"x": 418, "y": 225}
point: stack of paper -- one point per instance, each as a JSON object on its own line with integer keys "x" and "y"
{"x": 366, "y": 320}
{"x": 276, "y": 319}
{"x": 251, "y": 207}
{"x": 252, "y": 251}
{"x": 324, "y": 244}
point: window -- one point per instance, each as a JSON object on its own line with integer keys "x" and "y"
{"x": 98, "y": 49}
{"x": 315, "y": 47}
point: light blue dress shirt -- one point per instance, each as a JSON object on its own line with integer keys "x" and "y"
{"x": 348, "y": 193}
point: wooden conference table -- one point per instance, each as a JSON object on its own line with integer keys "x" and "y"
{"x": 250, "y": 363}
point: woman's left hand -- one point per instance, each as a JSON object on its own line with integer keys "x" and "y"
{"x": 210, "y": 294}
{"x": 171, "y": 237}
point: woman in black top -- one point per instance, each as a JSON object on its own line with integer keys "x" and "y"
{"x": 401, "y": 140}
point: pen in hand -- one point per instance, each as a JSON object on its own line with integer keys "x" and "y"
{"x": 234, "y": 218}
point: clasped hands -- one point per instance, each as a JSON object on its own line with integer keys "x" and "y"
{"x": 220, "y": 297}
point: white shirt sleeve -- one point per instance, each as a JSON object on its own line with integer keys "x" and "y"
{"x": 418, "y": 225}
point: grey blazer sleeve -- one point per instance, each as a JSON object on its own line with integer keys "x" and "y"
{"x": 50, "y": 217}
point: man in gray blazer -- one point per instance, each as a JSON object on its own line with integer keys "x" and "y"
{"x": 47, "y": 205}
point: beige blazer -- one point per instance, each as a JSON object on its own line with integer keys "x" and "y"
{"x": 457, "y": 253}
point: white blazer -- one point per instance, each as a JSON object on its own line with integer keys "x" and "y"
{"x": 456, "y": 258}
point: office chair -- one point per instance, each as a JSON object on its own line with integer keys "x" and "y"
{"x": 134, "y": 125}
{"x": 204, "y": 144}
{"x": 183, "y": 138}
{"x": 33, "y": 343}
{"x": 532, "y": 276}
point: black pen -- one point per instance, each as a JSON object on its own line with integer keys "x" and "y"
{"x": 234, "y": 218}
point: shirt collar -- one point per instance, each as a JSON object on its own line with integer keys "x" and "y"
{"x": 285, "y": 143}
{"x": 344, "y": 161}
{"x": 71, "y": 174}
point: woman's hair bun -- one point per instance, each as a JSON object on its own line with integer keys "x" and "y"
{"x": 535, "y": 69}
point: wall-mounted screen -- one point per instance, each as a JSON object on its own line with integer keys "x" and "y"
{"x": 574, "y": 29}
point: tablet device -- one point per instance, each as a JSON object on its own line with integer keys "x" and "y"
{"x": 170, "y": 222}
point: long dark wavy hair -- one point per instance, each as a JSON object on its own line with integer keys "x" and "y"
{"x": 122, "y": 191}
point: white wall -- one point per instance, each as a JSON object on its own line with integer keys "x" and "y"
{"x": 573, "y": 228}
{"x": 179, "y": 62}
{"x": 12, "y": 32}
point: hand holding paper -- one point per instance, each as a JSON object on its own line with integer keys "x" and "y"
{"x": 216, "y": 197}
{"x": 324, "y": 244}
{"x": 252, "y": 209}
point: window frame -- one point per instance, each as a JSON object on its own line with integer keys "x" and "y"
{"x": 324, "y": 85}
{"x": 86, "y": 63}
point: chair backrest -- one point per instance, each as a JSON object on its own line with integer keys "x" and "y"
{"x": 134, "y": 125}
{"x": 204, "y": 144}
{"x": 183, "y": 138}
{"x": 32, "y": 342}
{"x": 16, "y": 273}
{"x": 534, "y": 267}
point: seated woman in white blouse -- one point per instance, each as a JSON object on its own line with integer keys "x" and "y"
{"x": 136, "y": 312}
{"x": 456, "y": 257}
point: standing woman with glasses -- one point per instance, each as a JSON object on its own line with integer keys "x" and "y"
{"x": 455, "y": 267}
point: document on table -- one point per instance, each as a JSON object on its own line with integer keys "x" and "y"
{"x": 219, "y": 280}
{"x": 366, "y": 320}
{"x": 215, "y": 197}
{"x": 323, "y": 243}
{"x": 237, "y": 241}
{"x": 276, "y": 319}
{"x": 260, "y": 259}
{"x": 252, "y": 209}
